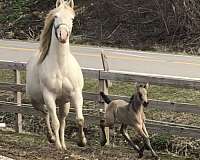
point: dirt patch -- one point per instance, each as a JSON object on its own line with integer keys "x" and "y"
{"x": 35, "y": 147}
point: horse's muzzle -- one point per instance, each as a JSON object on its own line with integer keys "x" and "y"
{"x": 63, "y": 36}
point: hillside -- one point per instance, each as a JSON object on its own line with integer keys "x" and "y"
{"x": 166, "y": 25}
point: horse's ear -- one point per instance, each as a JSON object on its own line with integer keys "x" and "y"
{"x": 59, "y": 2}
{"x": 146, "y": 86}
{"x": 71, "y": 3}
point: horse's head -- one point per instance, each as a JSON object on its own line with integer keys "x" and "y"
{"x": 63, "y": 19}
{"x": 142, "y": 94}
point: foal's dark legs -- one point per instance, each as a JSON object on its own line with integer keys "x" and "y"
{"x": 104, "y": 140}
{"x": 124, "y": 132}
{"x": 143, "y": 132}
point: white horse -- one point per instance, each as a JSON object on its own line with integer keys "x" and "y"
{"x": 54, "y": 76}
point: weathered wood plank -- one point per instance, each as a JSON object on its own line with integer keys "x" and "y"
{"x": 91, "y": 96}
{"x": 103, "y": 86}
{"x": 162, "y": 105}
{"x": 181, "y": 82}
{"x": 90, "y": 73}
{"x": 157, "y": 104}
{"x": 155, "y": 126}
{"x": 173, "y": 129}
{"x": 12, "y": 87}
{"x": 18, "y": 97}
{"x": 12, "y": 65}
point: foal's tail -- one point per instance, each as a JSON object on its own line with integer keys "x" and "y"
{"x": 105, "y": 97}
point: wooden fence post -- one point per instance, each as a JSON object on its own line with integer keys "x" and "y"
{"x": 103, "y": 86}
{"x": 18, "y": 96}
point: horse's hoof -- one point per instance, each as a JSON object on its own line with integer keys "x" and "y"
{"x": 64, "y": 147}
{"x": 59, "y": 147}
{"x": 82, "y": 143}
{"x": 51, "y": 139}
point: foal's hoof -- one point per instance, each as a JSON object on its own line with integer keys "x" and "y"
{"x": 103, "y": 142}
{"x": 156, "y": 157}
{"x": 82, "y": 143}
{"x": 140, "y": 154}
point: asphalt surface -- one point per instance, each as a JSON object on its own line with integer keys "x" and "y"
{"x": 121, "y": 60}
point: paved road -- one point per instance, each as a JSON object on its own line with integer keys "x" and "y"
{"x": 122, "y": 60}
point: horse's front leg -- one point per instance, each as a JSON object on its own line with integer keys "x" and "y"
{"x": 44, "y": 111}
{"x": 77, "y": 102}
{"x": 63, "y": 111}
{"x": 49, "y": 100}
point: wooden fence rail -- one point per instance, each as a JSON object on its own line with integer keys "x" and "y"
{"x": 184, "y": 130}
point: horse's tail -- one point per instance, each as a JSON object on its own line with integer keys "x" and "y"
{"x": 105, "y": 97}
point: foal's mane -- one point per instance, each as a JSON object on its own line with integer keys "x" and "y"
{"x": 45, "y": 37}
{"x": 134, "y": 102}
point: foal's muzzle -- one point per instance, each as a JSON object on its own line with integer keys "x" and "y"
{"x": 145, "y": 104}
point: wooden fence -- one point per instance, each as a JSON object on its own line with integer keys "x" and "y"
{"x": 102, "y": 75}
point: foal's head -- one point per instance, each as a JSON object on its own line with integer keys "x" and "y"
{"x": 141, "y": 94}
{"x": 63, "y": 19}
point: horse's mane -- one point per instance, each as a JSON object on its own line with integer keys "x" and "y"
{"x": 45, "y": 37}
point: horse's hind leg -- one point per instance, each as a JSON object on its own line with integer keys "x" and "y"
{"x": 124, "y": 132}
{"x": 63, "y": 111}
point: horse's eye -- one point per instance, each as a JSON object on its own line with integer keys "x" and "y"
{"x": 56, "y": 16}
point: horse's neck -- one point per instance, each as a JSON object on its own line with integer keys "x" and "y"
{"x": 59, "y": 52}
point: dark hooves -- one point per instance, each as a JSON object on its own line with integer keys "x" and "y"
{"x": 103, "y": 142}
{"x": 82, "y": 143}
{"x": 140, "y": 154}
{"x": 51, "y": 139}
{"x": 157, "y": 157}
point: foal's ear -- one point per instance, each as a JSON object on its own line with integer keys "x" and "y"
{"x": 146, "y": 86}
{"x": 137, "y": 85}
{"x": 59, "y": 2}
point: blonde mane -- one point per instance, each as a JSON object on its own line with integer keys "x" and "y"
{"x": 45, "y": 37}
